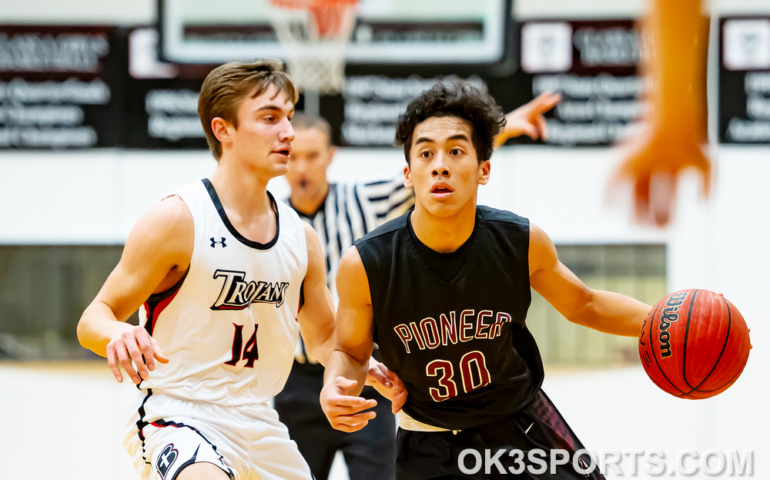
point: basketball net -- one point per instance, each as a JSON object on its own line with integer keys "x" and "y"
{"x": 314, "y": 34}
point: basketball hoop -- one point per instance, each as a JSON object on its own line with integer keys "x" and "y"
{"x": 314, "y": 34}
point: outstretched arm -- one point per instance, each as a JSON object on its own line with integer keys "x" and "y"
{"x": 601, "y": 310}
{"x": 155, "y": 256}
{"x": 528, "y": 119}
{"x": 316, "y": 317}
{"x": 675, "y": 128}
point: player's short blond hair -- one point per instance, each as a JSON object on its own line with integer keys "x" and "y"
{"x": 226, "y": 85}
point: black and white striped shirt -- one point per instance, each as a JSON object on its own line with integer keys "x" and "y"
{"x": 349, "y": 212}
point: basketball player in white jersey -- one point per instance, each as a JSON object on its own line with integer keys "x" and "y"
{"x": 227, "y": 277}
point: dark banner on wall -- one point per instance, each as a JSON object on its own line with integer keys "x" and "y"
{"x": 162, "y": 106}
{"x": 85, "y": 87}
{"x": 594, "y": 65}
{"x": 59, "y": 87}
{"x": 744, "y": 80}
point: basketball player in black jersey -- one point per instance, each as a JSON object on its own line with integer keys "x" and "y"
{"x": 444, "y": 291}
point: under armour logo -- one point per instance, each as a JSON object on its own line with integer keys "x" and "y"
{"x": 166, "y": 458}
{"x": 214, "y": 242}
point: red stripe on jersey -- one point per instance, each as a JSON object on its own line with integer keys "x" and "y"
{"x": 153, "y": 308}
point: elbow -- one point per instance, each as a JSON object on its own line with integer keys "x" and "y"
{"x": 583, "y": 310}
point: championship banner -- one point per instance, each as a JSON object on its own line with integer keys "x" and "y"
{"x": 58, "y": 87}
{"x": 744, "y": 80}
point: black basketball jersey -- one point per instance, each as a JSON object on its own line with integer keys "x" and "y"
{"x": 459, "y": 343}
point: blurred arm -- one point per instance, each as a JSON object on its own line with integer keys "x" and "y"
{"x": 676, "y": 123}
{"x": 528, "y": 119}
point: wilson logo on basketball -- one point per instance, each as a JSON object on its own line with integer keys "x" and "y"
{"x": 237, "y": 293}
{"x": 670, "y": 315}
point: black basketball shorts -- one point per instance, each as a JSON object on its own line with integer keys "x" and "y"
{"x": 535, "y": 443}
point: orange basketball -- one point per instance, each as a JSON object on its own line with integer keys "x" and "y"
{"x": 694, "y": 344}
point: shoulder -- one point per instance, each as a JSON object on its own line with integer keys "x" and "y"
{"x": 384, "y": 231}
{"x": 494, "y": 215}
{"x": 166, "y": 230}
{"x": 170, "y": 216}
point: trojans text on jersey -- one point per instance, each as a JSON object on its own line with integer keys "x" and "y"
{"x": 237, "y": 293}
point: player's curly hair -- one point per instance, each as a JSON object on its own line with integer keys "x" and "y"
{"x": 457, "y": 99}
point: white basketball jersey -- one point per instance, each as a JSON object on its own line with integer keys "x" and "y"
{"x": 229, "y": 327}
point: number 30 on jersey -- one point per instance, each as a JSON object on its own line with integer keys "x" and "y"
{"x": 473, "y": 374}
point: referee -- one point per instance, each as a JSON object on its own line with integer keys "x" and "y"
{"x": 340, "y": 214}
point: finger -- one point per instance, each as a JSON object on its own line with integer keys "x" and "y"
{"x": 125, "y": 363}
{"x": 147, "y": 354}
{"x": 662, "y": 197}
{"x": 530, "y": 130}
{"x": 112, "y": 361}
{"x": 376, "y": 375}
{"x": 398, "y": 402}
{"x": 350, "y": 402}
{"x": 157, "y": 353}
{"x": 549, "y": 101}
{"x": 542, "y": 126}
{"x": 641, "y": 198}
{"x": 136, "y": 356}
{"x": 349, "y": 428}
{"x": 355, "y": 421}
{"x": 706, "y": 183}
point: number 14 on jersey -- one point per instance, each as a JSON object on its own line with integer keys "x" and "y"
{"x": 249, "y": 352}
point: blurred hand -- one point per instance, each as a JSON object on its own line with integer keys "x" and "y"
{"x": 133, "y": 344}
{"x": 653, "y": 166}
{"x": 528, "y": 119}
{"x": 343, "y": 409}
{"x": 387, "y": 384}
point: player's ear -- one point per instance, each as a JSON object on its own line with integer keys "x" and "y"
{"x": 221, "y": 129}
{"x": 484, "y": 168}
{"x": 408, "y": 177}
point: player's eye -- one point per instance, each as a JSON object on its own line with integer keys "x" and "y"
{"x": 456, "y": 151}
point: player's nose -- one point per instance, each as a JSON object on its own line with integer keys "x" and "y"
{"x": 286, "y": 133}
{"x": 440, "y": 165}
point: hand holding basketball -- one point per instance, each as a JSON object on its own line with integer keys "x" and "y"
{"x": 694, "y": 344}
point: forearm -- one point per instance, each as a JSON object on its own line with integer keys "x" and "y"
{"x": 97, "y": 326}
{"x": 613, "y": 313}
{"x": 341, "y": 364}
{"x": 320, "y": 348}
{"x": 678, "y": 62}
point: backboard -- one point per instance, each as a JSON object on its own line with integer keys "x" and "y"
{"x": 386, "y": 31}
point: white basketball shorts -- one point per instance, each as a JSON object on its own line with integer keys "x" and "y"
{"x": 165, "y": 434}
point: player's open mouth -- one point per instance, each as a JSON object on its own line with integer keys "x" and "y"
{"x": 283, "y": 151}
{"x": 441, "y": 189}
